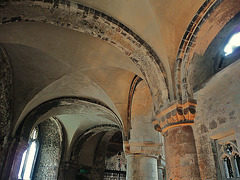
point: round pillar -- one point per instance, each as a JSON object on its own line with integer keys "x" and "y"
{"x": 141, "y": 167}
{"x": 181, "y": 154}
{"x": 160, "y": 172}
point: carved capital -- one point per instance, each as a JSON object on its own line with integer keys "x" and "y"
{"x": 176, "y": 114}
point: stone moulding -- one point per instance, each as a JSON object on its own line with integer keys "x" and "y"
{"x": 136, "y": 80}
{"x": 72, "y": 15}
{"x": 188, "y": 41}
{"x": 146, "y": 148}
{"x": 176, "y": 114}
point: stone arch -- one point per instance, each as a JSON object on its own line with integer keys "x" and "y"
{"x": 134, "y": 83}
{"x": 197, "y": 38}
{"x": 142, "y": 113}
{"x": 50, "y": 135}
{"x": 88, "y": 134}
{"x": 64, "y": 104}
{"x": 95, "y": 23}
{"x": 6, "y": 105}
{"x": 106, "y": 131}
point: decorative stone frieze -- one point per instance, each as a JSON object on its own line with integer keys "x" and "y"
{"x": 176, "y": 114}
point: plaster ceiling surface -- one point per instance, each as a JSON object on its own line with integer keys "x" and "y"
{"x": 138, "y": 16}
{"x": 76, "y": 49}
{"x": 75, "y": 64}
{"x": 159, "y": 22}
{"x": 76, "y": 124}
{"x": 173, "y": 18}
{"x": 89, "y": 149}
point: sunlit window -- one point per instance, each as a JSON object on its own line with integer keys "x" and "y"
{"x": 232, "y": 44}
{"x": 29, "y": 157}
{"x": 237, "y": 164}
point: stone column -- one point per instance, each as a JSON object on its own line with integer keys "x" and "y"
{"x": 181, "y": 156}
{"x": 142, "y": 159}
{"x": 160, "y": 166}
{"x": 141, "y": 166}
{"x": 160, "y": 172}
{"x": 49, "y": 153}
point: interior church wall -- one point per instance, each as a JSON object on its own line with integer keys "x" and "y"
{"x": 5, "y": 104}
{"x": 218, "y": 113}
{"x": 49, "y": 154}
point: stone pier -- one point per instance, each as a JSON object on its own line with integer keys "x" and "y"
{"x": 175, "y": 123}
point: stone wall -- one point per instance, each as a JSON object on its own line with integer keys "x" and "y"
{"x": 49, "y": 154}
{"x": 218, "y": 113}
{"x": 5, "y": 103}
{"x": 116, "y": 162}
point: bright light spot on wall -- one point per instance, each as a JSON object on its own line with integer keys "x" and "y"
{"x": 22, "y": 162}
{"x": 27, "y": 162}
{"x": 232, "y": 44}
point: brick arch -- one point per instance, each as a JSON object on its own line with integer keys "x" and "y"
{"x": 87, "y": 20}
{"x": 198, "y": 36}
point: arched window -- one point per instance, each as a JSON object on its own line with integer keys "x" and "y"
{"x": 237, "y": 164}
{"x": 230, "y": 160}
{"x": 233, "y": 43}
{"x": 29, "y": 157}
{"x": 228, "y": 167}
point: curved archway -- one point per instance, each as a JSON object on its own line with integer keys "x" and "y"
{"x": 195, "y": 40}
{"x": 56, "y": 107}
{"x": 61, "y": 106}
{"x": 102, "y": 26}
{"x": 89, "y": 150}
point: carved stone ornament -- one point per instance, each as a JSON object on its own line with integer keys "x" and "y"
{"x": 176, "y": 114}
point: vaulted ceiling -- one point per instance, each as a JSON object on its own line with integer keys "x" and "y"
{"x": 53, "y": 59}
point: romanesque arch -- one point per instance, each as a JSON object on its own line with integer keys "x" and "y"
{"x": 195, "y": 40}
{"x": 95, "y": 23}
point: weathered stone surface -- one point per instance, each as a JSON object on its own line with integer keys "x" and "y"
{"x": 5, "y": 105}
{"x": 50, "y": 149}
{"x": 181, "y": 154}
{"x": 212, "y": 125}
{"x": 217, "y": 122}
{"x": 141, "y": 167}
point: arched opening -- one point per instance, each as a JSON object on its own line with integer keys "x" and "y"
{"x": 228, "y": 168}
{"x": 116, "y": 164}
{"x": 232, "y": 44}
{"x": 29, "y": 157}
{"x": 41, "y": 158}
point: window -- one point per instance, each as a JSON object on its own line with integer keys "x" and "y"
{"x": 229, "y": 159}
{"x": 232, "y": 44}
{"x": 29, "y": 157}
{"x": 237, "y": 164}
